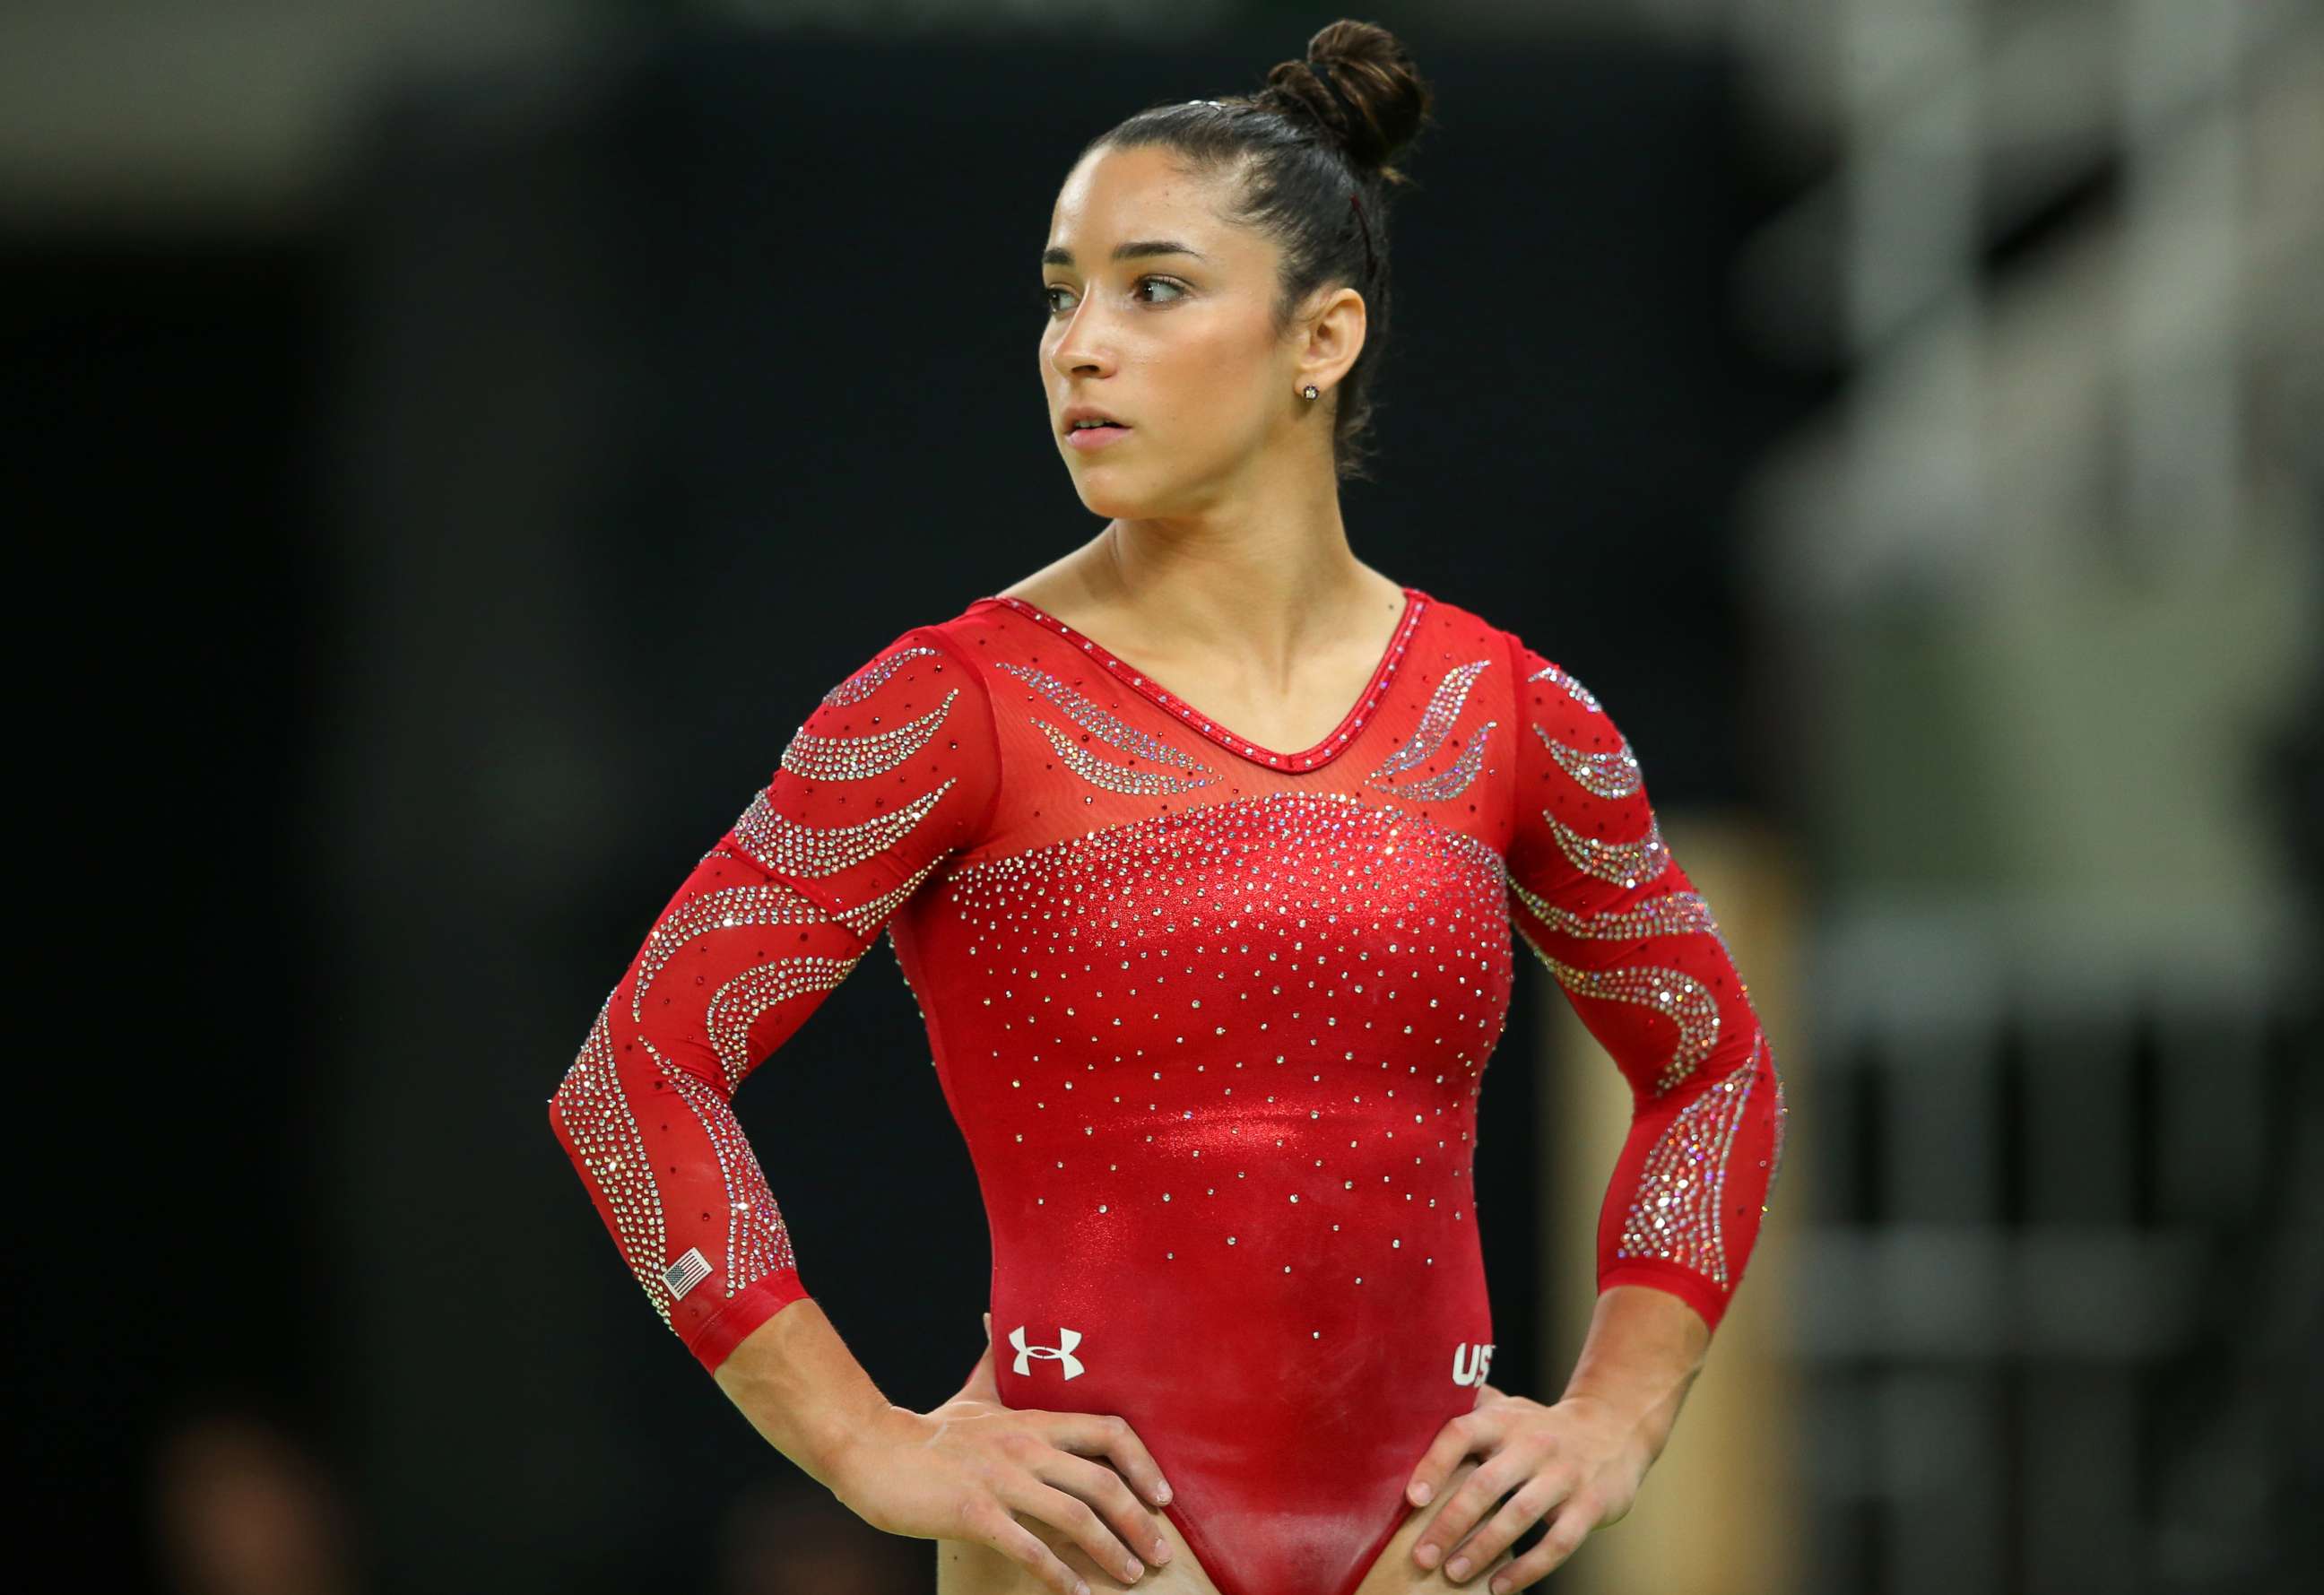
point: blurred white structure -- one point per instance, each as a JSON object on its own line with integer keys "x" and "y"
{"x": 2051, "y": 572}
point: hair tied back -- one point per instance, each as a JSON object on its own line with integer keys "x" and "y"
{"x": 1331, "y": 82}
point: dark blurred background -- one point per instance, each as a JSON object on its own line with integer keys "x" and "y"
{"x": 453, "y": 444}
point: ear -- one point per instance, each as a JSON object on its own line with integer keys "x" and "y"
{"x": 1335, "y": 336}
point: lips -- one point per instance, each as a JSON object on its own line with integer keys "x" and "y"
{"x": 1086, "y": 439}
{"x": 1073, "y": 416}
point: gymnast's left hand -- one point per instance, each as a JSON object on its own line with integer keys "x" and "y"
{"x": 1578, "y": 1464}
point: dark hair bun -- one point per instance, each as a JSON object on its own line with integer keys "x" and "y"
{"x": 1359, "y": 85}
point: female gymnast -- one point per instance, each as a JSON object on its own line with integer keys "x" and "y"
{"x": 1200, "y": 849}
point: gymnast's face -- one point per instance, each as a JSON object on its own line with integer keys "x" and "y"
{"x": 1159, "y": 315}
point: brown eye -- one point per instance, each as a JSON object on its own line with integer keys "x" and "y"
{"x": 1049, "y": 302}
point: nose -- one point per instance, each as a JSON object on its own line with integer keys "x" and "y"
{"x": 1078, "y": 345}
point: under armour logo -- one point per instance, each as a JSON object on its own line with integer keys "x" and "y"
{"x": 1067, "y": 1339}
{"x": 1468, "y": 1369}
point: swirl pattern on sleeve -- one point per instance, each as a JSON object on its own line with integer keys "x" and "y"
{"x": 1609, "y": 913}
{"x": 891, "y": 773}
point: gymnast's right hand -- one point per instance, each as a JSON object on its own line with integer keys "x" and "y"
{"x": 961, "y": 1472}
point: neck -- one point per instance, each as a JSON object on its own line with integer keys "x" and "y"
{"x": 1254, "y": 592}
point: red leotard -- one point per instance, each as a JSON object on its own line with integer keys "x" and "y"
{"x": 1213, "y": 1020}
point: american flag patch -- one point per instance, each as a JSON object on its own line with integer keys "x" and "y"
{"x": 685, "y": 1274}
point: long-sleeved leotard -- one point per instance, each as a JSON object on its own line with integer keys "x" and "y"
{"x": 1213, "y": 1020}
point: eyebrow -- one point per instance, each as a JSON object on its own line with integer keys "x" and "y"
{"x": 1057, "y": 254}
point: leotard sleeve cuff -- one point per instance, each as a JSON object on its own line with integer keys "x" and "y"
{"x": 751, "y": 1306}
{"x": 1701, "y": 1293}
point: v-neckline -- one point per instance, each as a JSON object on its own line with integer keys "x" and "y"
{"x": 1311, "y": 758}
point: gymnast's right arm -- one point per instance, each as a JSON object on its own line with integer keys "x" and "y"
{"x": 895, "y": 768}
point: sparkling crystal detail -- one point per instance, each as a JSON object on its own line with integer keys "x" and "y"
{"x": 597, "y": 1115}
{"x": 820, "y": 758}
{"x": 733, "y": 908}
{"x": 1574, "y": 689}
{"x": 874, "y": 676}
{"x": 1669, "y": 913}
{"x": 1676, "y": 1212}
{"x": 1678, "y": 996}
{"x": 1454, "y": 779}
{"x": 787, "y": 847}
{"x": 736, "y": 1006}
{"x": 1113, "y": 776}
{"x": 1776, "y": 1157}
{"x": 1101, "y": 723}
{"x": 1601, "y": 775}
{"x": 871, "y": 912}
{"x": 1618, "y": 863}
{"x": 1436, "y": 722}
{"x": 758, "y": 1243}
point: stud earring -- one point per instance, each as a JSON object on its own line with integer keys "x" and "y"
{"x": 1309, "y": 391}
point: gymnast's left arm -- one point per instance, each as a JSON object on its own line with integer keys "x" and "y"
{"x": 1598, "y": 898}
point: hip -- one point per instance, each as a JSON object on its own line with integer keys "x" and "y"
{"x": 969, "y": 1567}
